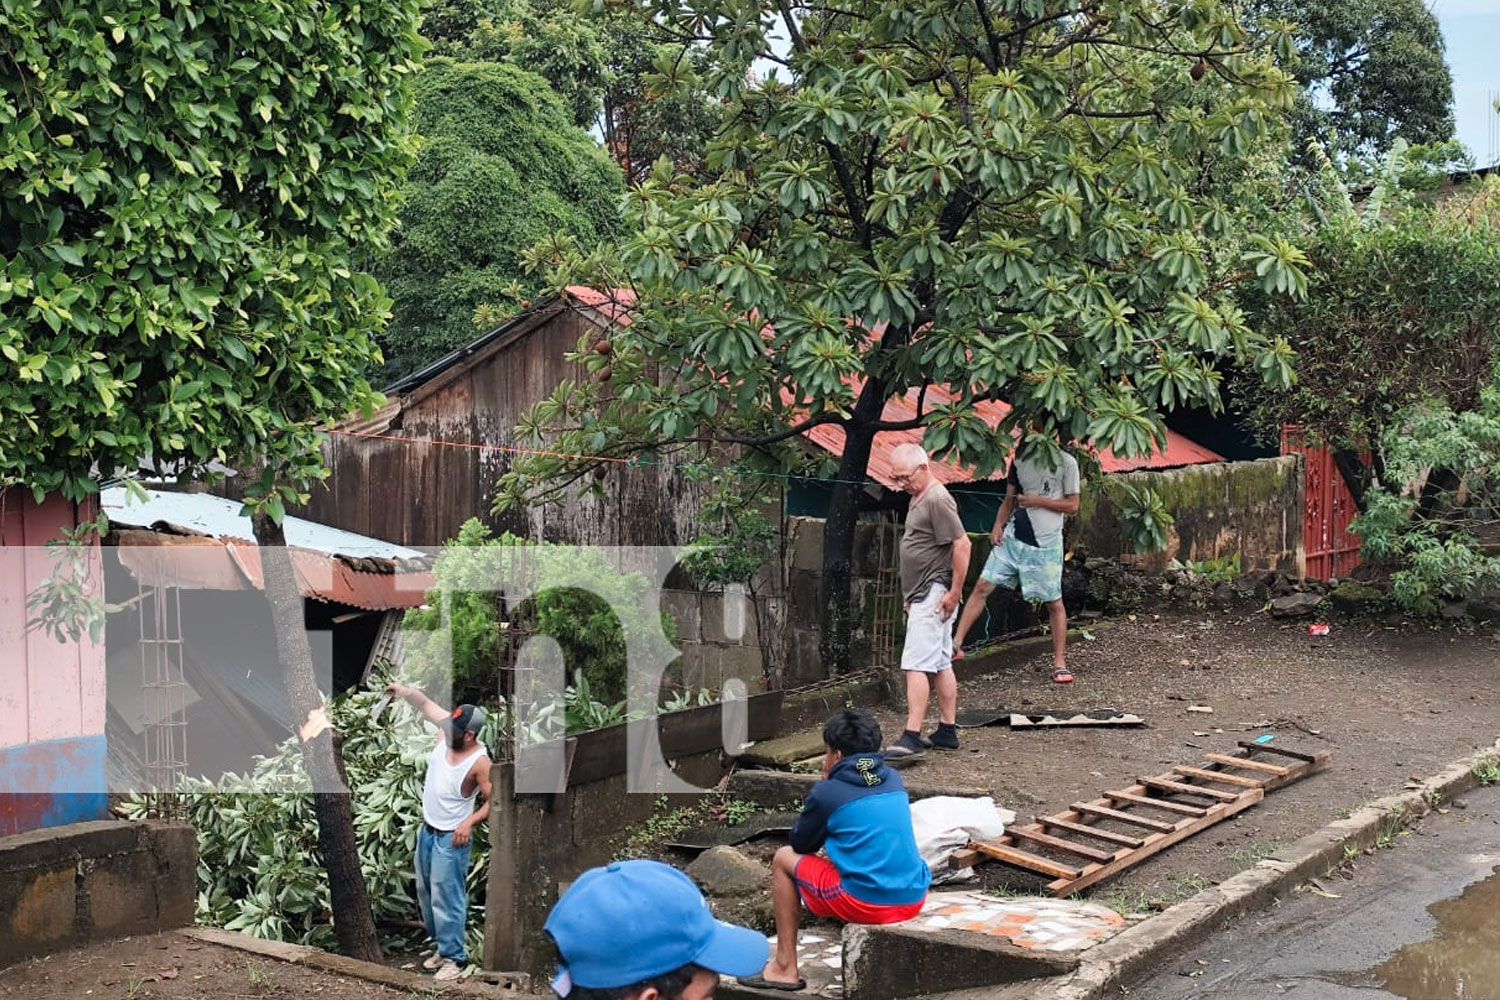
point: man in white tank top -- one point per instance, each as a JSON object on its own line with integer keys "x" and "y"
{"x": 457, "y": 770}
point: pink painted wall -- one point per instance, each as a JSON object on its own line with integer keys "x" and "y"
{"x": 49, "y": 690}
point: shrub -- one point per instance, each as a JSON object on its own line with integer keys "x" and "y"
{"x": 582, "y": 622}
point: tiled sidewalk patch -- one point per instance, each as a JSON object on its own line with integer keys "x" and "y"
{"x": 1028, "y": 921}
{"x": 1037, "y": 922}
{"x": 820, "y": 960}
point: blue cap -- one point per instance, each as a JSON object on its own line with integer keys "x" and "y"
{"x": 635, "y": 920}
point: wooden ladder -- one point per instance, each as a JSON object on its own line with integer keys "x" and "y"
{"x": 1143, "y": 819}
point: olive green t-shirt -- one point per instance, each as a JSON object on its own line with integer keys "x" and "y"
{"x": 932, "y": 526}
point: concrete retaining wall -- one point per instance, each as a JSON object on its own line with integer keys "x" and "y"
{"x": 1254, "y": 509}
{"x": 86, "y": 882}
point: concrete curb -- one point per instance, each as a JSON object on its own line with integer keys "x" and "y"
{"x": 1149, "y": 943}
{"x": 373, "y": 972}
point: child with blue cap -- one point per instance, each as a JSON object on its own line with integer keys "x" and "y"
{"x": 641, "y": 930}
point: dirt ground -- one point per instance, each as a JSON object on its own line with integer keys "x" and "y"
{"x": 1393, "y": 703}
{"x": 172, "y": 967}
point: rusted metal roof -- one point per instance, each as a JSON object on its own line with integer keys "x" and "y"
{"x": 1179, "y": 450}
{"x": 200, "y": 540}
{"x": 615, "y": 306}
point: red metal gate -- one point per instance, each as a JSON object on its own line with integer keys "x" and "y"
{"x": 1329, "y": 508}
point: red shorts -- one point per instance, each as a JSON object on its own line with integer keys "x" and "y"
{"x": 822, "y": 890}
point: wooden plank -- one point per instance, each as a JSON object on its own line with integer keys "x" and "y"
{"x": 1167, "y": 785}
{"x": 1181, "y": 808}
{"x": 1309, "y": 762}
{"x": 1104, "y": 812}
{"x": 1247, "y": 763}
{"x": 1108, "y": 836}
{"x": 965, "y": 858}
{"x": 1220, "y": 776}
{"x": 1155, "y": 845}
{"x": 1036, "y": 836}
{"x": 1025, "y": 859}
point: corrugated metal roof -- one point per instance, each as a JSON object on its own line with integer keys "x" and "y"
{"x": 614, "y": 306}
{"x": 217, "y": 517}
{"x": 830, "y": 437}
{"x": 330, "y": 564}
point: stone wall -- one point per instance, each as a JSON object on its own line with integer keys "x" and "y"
{"x": 70, "y": 885}
{"x": 1254, "y": 509}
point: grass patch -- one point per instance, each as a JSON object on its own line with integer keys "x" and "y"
{"x": 1129, "y": 901}
{"x": 1255, "y": 853}
{"x": 1487, "y": 770}
{"x": 1394, "y": 825}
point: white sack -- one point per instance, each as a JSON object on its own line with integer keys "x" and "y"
{"x": 946, "y": 823}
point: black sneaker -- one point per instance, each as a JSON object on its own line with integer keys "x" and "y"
{"x": 907, "y": 746}
{"x": 944, "y": 739}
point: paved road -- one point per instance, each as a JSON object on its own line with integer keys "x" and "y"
{"x": 1419, "y": 921}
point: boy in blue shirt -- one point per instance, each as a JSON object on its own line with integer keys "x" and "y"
{"x": 860, "y": 816}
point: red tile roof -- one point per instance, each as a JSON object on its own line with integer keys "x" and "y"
{"x": 615, "y": 307}
{"x": 830, "y": 437}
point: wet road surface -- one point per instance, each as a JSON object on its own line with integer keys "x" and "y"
{"x": 1420, "y": 921}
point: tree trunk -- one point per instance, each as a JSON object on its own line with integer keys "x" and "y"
{"x": 837, "y": 614}
{"x": 353, "y": 919}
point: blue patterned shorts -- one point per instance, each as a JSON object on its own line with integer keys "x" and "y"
{"x": 1036, "y": 571}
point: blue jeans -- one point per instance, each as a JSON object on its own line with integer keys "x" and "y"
{"x": 443, "y": 891}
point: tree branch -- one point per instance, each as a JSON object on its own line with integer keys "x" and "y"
{"x": 908, "y": 425}
{"x": 983, "y": 9}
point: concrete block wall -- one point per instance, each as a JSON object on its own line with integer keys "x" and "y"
{"x": 84, "y": 882}
{"x": 804, "y": 583}
{"x": 720, "y": 641}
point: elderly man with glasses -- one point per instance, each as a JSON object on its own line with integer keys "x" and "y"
{"x": 934, "y": 562}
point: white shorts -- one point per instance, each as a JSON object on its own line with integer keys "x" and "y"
{"x": 929, "y": 638}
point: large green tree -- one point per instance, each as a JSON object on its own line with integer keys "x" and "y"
{"x": 1371, "y": 70}
{"x": 654, "y": 103}
{"x": 501, "y": 166}
{"x": 1399, "y": 355}
{"x": 182, "y": 187}
{"x": 545, "y": 37}
{"x": 1027, "y": 200}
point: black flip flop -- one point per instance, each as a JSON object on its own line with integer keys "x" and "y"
{"x": 762, "y": 983}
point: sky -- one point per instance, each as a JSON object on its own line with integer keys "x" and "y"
{"x": 1471, "y": 31}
